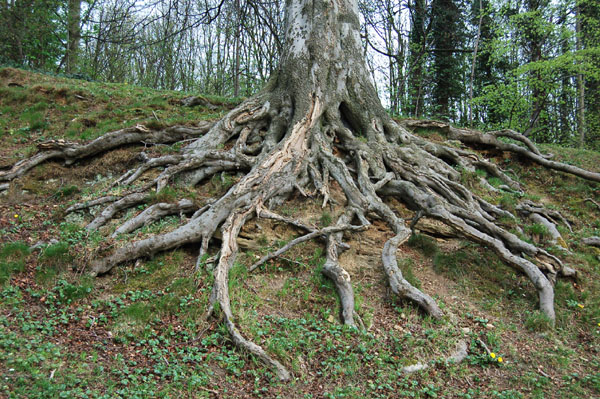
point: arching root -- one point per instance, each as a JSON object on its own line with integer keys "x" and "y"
{"x": 220, "y": 294}
{"x": 398, "y": 284}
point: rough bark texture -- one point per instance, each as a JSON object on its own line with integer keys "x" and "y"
{"x": 318, "y": 121}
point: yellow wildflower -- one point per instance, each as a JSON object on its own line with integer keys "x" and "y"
{"x": 492, "y": 355}
{"x": 500, "y": 360}
{"x": 16, "y": 216}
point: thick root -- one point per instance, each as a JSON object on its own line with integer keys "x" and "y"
{"x": 72, "y": 152}
{"x": 155, "y": 212}
{"x": 399, "y": 285}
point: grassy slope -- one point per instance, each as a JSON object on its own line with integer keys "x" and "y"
{"x": 139, "y": 332}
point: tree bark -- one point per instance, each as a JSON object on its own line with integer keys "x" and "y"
{"x": 74, "y": 34}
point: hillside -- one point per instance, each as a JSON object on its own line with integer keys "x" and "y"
{"x": 140, "y": 330}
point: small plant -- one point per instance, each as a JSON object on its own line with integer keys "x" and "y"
{"x": 66, "y": 191}
{"x": 538, "y": 230}
{"x": 325, "y": 219}
{"x": 424, "y": 243}
{"x": 68, "y": 292}
{"x": 508, "y": 201}
{"x": 222, "y": 181}
{"x": 56, "y": 255}
{"x": 538, "y": 322}
{"x": 452, "y": 263}
{"x": 12, "y": 259}
{"x": 167, "y": 194}
{"x": 406, "y": 267}
{"x": 35, "y": 119}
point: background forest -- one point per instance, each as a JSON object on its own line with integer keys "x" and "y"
{"x": 528, "y": 65}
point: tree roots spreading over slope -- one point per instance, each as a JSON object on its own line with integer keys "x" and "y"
{"x": 318, "y": 123}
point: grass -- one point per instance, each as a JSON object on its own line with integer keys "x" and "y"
{"x": 12, "y": 260}
{"x": 140, "y": 331}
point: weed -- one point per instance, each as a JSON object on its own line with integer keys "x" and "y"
{"x": 139, "y": 312}
{"x": 35, "y": 119}
{"x": 66, "y": 292}
{"x": 222, "y": 181}
{"x": 508, "y": 201}
{"x": 167, "y": 194}
{"x": 74, "y": 129}
{"x": 424, "y": 243}
{"x": 12, "y": 259}
{"x": 56, "y": 256}
{"x": 67, "y": 191}
{"x": 325, "y": 219}
{"x": 452, "y": 263}
{"x": 153, "y": 124}
{"x": 538, "y": 322}
{"x": 538, "y": 230}
{"x": 406, "y": 267}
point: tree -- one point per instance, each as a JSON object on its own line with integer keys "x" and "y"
{"x": 317, "y": 123}
{"x": 417, "y": 56}
{"x": 588, "y": 20}
{"x": 447, "y": 38}
{"x": 74, "y": 34}
{"x": 31, "y": 33}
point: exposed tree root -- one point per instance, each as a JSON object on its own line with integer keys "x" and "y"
{"x": 399, "y": 285}
{"x": 547, "y": 218}
{"x": 490, "y": 139}
{"x": 460, "y": 353}
{"x": 110, "y": 211}
{"x": 313, "y": 234}
{"x": 155, "y": 212}
{"x": 318, "y": 148}
{"x": 592, "y": 241}
{"x": 596, "y": 204}
{"x": 72, "y": 152}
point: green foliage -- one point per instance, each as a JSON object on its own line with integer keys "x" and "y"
{"x": 538, "y": 322}
{"x": 12, "y": 259}
{"x": 33, "y": 38}
{"x": 454, "y": 263}
{"x": 167, "y": 194}
{"x": 424, "y": 243}
{"x": 67, "y": 191}
{"x": 65, "y": 292}
{"x": 406, "y": 267}
{"x": 538, "y": 230}
{"x": 221, "y": 182}
{"x": 325, "y": 219}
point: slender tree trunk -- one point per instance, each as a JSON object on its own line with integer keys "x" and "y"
{"x": 236, "y": 72}
{"x": 74, "y": 34}
{"x": 580, "y": 84}
{"x": 474, "y": 62}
